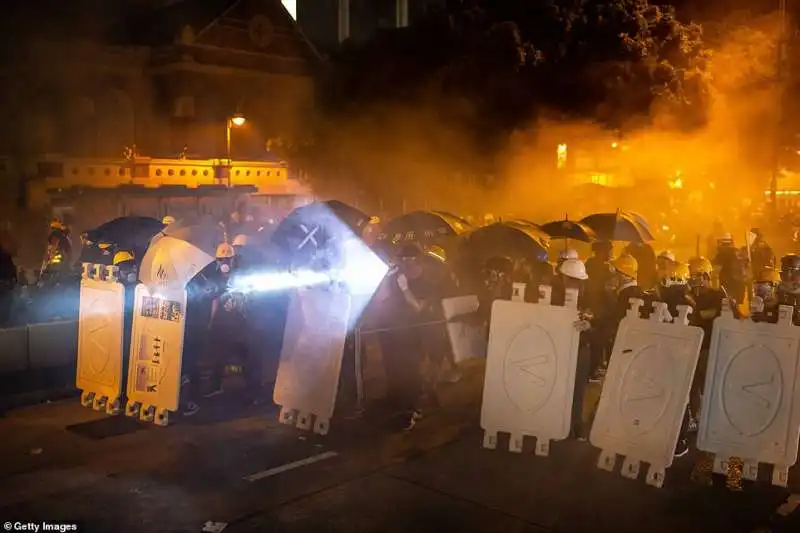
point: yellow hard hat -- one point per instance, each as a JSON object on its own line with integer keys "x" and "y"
{"x": 225, "y": 251}
{"x": 167, "y": 220}
{"x": 121, "y": 257}
{"x": 768, "y": 275}
{"x": 56, "y": 224}
{"x": 626, "y": 265}
{"x": 104, "y": 245}
{"x": 680, "y": 273}
{"x": 700, "y": 265}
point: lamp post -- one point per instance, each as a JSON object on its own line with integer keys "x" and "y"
{"x": 236, "y": 120}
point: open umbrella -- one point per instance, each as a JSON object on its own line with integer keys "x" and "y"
{"x": 644, "y": 226}
{"x": 568, "y": 229}
{"x": 617, "y": 226}
{"x": 424, "y": 227}
{"x": 504, "y": 239}
{"x": 126, "y": 233}
{"x": 179, "y": 252}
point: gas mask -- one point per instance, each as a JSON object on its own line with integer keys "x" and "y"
{"x": 764, "y": 290}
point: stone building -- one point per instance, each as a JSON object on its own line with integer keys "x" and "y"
{"x": 86, "y": 78}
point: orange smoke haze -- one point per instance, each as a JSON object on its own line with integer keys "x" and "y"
{"x": 403, "y": 158}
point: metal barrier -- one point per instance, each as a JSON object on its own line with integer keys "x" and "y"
{"x": 38, "y": 346}
{"x": 359, "y": 356}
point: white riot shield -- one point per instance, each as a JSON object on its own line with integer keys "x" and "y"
{"x": 466, "y": 340}
{"x": 530, "y": 372}
{"x": 751, "y": 405}
{"x": 311, "y": 358}
{"x": 154, "y": 372}
{"x": 646, "y": 391}
{"x": 100, "y": 335}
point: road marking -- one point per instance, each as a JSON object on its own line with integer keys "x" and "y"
{"x": 290, "y": 466}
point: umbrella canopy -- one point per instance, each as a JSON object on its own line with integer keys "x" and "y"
{"x": 617, "y": 226}
{"x": 517, "y": 241}
{"x": 171, "y": 262}
{"x": 126, "y": 233}
{"x": 312, "y": 228}
{"x": 567, "y": 229}
{"x": 332, "y": 216}
{"x": 424, "y": 227}
{"x": 644, "y": 226}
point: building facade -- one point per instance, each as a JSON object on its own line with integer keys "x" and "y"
{"x": 93, "y": 77}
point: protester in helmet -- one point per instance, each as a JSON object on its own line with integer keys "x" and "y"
{"x": 764, "y": 307}
{"x": 761, "y": 254}
{"x": 626, "y": 269}
{"x": 646, "y": 275}
{"x": 408, "y": 299}
{"x": 673, "y": 289}
{"x": 571, "y": 275}
{"x": 498, "y": 284}
{"x": 664, "y": 264}
{"x": 227, "y": 325}
{"x": 731, "y": 268}
{"x": 565, "y": 254}
{"x": 600, "y": 299}
{"x": 126, "y": 264}
{"x": 788, "y": 291}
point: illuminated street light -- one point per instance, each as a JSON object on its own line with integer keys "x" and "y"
{"x": 236, "y": 120}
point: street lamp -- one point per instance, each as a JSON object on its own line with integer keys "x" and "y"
{"x": 236, "y": 120}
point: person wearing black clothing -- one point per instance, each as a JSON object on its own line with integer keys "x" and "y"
{"x": 8, "y": 283}
{"x": 646, "y": 261}
{"x": 626, "y": 269}
{"x": 731, "y": 268}
{"x": 600, "y": 299}
{"x": 571, "y": 275}
{"x": 673, "y": 289}
{"x": 788, "y": 292}
{"x": 407, "y": 300}
{"x": 765, "y": 303}
{"x": 762, "y": 256}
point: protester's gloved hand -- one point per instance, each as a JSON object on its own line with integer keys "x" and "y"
{"x": 582, "y": 325}
{"x": 402, "y": 282}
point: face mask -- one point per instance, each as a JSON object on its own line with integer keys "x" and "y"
{"x": 224, "y": 268}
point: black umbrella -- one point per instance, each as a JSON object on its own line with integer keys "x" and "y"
{"x": 644, "y": 226}
{"x": 124, "y": 233}
{"x": 567, "y": 229}
{"x": 314, "y": 230}
{"x": 505, "y": 239}
{"x": 424, "y": 227}
{"x": 617, "y": 226}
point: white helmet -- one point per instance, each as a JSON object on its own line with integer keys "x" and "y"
{"x": 725, "y": 238}
{"x": 668, "y": 255}
{"x": 573, "y": 268}
{"x": 225, "y": 251}
{"x": 167, "y": 220}
{"x": 240, "y": 240}
{"x": 567, "y": 254}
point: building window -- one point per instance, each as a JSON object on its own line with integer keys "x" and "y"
{"x": 238, "y": 172}
{"x": 171, "y": 172}
{"x": 182, "y": 172}
{"x": 247, "y": 173}
{"x": 268, "y": 172}
{"x": 121, "y": 171}
{"x": 258, "y": 172}
{"x": 205, "y": 173}
{"x": 91, "y": 171}
{"x": 158, "y": 172}
{"x": 194, "y": 173}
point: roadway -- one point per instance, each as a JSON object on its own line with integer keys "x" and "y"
{"x": 62, "y": 462}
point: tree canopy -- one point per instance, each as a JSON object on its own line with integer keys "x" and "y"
{"x": 485, "y": 68}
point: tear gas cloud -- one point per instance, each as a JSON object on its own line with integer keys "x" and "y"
{"x": 401, "y": 156}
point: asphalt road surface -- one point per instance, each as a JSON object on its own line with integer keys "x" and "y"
{"x": 64, "y": 463}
